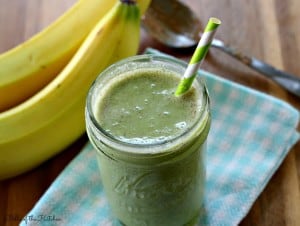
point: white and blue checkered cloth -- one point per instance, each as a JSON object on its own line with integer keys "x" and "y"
{"x": 251, "y": 134}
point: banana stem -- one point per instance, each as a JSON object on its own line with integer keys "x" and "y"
{"x": 129, "y": 2}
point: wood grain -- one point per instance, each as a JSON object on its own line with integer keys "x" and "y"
{"x": 268, "y": 30}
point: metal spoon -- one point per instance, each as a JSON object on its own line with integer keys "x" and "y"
{"x": 175, "y": 25}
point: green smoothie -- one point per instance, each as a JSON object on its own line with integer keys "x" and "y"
{"x": 140, "y": 107}
{"x": 150, "y": 144}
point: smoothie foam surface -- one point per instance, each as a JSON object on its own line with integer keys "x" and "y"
{"x": 140, "y": 106}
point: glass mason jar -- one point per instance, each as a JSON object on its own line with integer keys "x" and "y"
{"x": 160, "y": 183}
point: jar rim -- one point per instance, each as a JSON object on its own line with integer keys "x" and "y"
{"x": 153, "y": 147}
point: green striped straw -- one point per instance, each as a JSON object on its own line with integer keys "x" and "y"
{"x": 198, "y": 56}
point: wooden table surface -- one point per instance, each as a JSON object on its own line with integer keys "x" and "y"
{"x": 268, "y": 30}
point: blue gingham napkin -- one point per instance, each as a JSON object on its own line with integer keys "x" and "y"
{"x": 251, "y": 133}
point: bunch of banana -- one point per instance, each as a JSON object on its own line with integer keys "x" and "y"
{"x": 53, "y": 118}
{"x": 27, "y": 68}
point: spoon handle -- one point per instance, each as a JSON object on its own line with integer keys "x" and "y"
{"x": 290, "y": 82}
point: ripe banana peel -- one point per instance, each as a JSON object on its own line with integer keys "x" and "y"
{"x": 30, "y": 66}
{"x": 22, "y": 154}
{"x": 53, "y": 118}
{"x": 143, "y": 5}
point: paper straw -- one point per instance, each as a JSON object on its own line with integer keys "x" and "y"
{"x": 198, "y": 56}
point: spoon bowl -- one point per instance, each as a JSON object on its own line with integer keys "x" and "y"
{"x": 176, "y": 25}
{"x": 172, "y": 23}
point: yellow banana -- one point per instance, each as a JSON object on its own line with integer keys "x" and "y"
{"x": 53, "y": 118}
{"x": 143, "y": 5}
{"x": 28, "y": 67}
